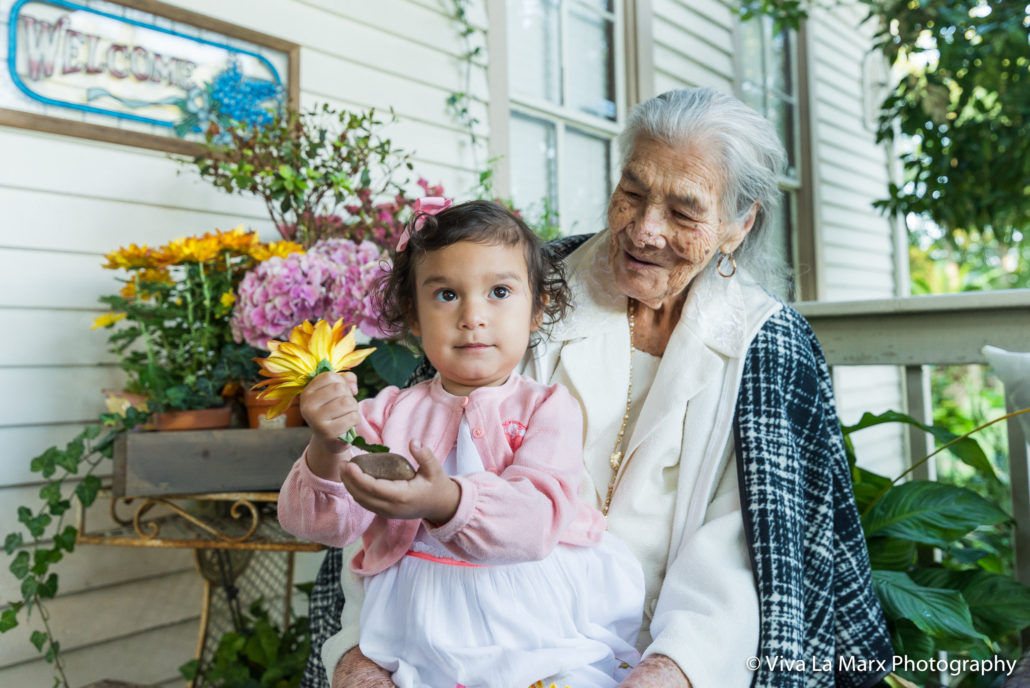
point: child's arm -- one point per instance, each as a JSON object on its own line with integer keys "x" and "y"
{"x": 522, "y": 514}
{"x": 313, "y": 502}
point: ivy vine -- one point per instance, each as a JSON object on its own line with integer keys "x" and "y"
{"x": 44, "y": 538}
{"x": 459, "y": 103}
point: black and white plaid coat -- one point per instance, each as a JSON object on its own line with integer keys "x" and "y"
{"x": 806, "y": 545}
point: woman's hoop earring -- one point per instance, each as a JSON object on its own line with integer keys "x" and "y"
{"x": 733, "y": 265}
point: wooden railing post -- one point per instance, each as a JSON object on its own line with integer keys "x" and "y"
{"x": 919, "y": 405}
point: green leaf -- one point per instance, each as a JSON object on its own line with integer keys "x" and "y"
{"x": 20, "y": 565}
{"x": 9, "y": 618}
{"x": 891, "y": 554}
{"x": 189, "y": 670}
{"x": 910, "y": 642}
{"x": 71, "y": 456}
{"x": 12, "y": 542}
{"x": 51, "y": 492}
{"x": 65, "y": 540}
{"x": 87, "y": 490}
{"x": 393, "y": 362}
{"x": 998, "y": 604}
{"x": 38, "y": 638}
{"x": 29, "y": 586}
{"x": 939, "y": 613}
{"x": 36, "y": 525}
{"x": 48, "y": 589}
{"x": 930, "y": 513}
{"x": 361, "y": 443}
{"x": 967, "y": 450}
{"x": 45, "y": 463}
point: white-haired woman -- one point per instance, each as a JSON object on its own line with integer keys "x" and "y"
{"x": 711, "y": 441}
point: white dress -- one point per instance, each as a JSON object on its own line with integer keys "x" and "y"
{"x": 571, "y": 618}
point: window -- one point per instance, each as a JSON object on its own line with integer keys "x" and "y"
{"x": 769, "y": 82}
{"x": 566, "y": 95}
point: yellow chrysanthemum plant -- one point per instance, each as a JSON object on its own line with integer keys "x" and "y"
{"x": 312, "y": 349}
{"x": 169, "y": 324}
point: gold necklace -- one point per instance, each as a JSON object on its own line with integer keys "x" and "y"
{"x": 617, "y": 455}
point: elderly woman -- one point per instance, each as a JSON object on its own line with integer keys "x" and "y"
{"x": 711, "y": 440}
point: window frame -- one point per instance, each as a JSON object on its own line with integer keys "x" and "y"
{"x": 802, "y": 234}
{"x": 627, "y": 44}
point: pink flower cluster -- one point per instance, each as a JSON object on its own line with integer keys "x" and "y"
{"x": 331, "y": 281}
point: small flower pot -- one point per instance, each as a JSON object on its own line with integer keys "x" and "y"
{"x": 257, "y": 410}
{"x": 194, "y": 419}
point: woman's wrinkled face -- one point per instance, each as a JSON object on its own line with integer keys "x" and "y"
{"x": 666, "y": 222}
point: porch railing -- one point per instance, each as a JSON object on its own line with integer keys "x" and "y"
{"x": 920, "y": 331}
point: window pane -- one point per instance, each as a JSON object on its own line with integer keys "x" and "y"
{"x": 533, "y": 165}
{"x": 777, "y": 239}
{"x": 591, "y": 65}
{"x": 779, "y": 71}
{"x": 585, "y": 182}
{"x": 534, "y": 47}
{"x": 752, "y": 86}
{"x": 603, "y": 5}
{"x": 782, "y": 114}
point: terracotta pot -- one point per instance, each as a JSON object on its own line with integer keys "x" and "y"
{"x": 194, "y": 419}
{"x": 258, "y": 408}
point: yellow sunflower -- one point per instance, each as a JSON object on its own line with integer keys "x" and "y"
{"x": 106, "y": 320}
{"x": 129, "y": 257}
{"x": 311, "y": 350}
{"x": 277, "y": 249}
{"x": 237, "y": 239}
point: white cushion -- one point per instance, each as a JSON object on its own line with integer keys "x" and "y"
{"x": 1013, "y": 368}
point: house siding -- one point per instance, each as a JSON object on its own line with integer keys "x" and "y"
{"x": 67, "y": 201}
{"x": 856, "y": 242}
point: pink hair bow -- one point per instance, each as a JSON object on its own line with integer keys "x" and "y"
{"x": 430, "y": 205}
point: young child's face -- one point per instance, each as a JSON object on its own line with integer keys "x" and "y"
{"x": 474, "y": 313}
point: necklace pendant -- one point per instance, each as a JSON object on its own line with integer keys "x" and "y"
{"x": 615, "y": 460}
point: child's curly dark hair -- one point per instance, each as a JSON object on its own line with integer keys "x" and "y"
{"x": 482, "y": 222}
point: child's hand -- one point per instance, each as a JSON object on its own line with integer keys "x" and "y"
{"x": 431, "y": 494}
{"x": 329, "y": 407}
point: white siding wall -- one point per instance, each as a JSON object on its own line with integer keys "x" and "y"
{"x": 693, "y": 44}
{"x": 856, "y": 241}
{"x": 132, "y": 613}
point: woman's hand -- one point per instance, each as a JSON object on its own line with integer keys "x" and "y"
{"x": 355, "y": 670}
{"x": 431, "y": 494}
{"x": 329, "y": 407}
{"x": 656, "y": 671}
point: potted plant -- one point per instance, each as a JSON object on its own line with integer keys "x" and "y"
{"x": 169, "y": 324}
{"x": 304, "y": 165}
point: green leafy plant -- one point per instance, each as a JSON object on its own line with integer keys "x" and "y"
{"x": 961, "y": 102}
{"x": 303, "y": 165}
{"x": 44, "y": 538}
{"x": 170, "y": 323}
{"x": 954, "y": 596}
{"x": 257, "y": 654}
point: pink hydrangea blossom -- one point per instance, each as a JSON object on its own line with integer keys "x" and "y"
{"x": 331, "y": 281}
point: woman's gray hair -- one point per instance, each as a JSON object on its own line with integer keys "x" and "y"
{"x": 751, "y": 161}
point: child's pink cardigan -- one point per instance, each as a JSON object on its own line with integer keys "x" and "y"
{"x": 523, "y": 505}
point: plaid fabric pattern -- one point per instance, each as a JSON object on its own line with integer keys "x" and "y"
{"x": 807, "y": 548}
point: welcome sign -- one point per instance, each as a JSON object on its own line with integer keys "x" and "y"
{"x": 137, "y": 71}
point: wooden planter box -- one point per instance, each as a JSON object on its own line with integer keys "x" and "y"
{"x": 148, "y": 464}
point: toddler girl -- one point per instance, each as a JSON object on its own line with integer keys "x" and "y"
{"x": 485, "y": 569}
